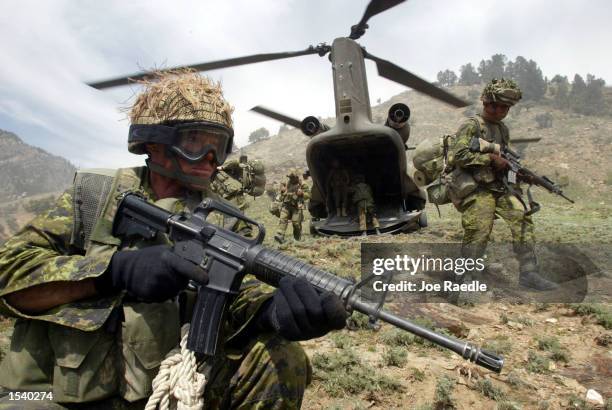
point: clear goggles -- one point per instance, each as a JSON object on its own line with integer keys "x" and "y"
{"x": 193, "y": 143}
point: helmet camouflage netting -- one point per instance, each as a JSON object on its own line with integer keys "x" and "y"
{"x": 179, "y": 96}
{"x": 503, "y": 91}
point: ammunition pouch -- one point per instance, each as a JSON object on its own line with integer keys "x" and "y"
{"x": 460, "y": 184}
{"x": 438, "y": 192}
{"x": 148, "y": 332}
{"x": 484, "y": 175}
{"x": 85, "y": 364}
{"x": 451, "y": 187}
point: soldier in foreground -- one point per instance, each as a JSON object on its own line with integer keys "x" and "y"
{"x": 493, "y": 195}
{"x": 95, "y": 316}
{"x": 364, "y": 203}
{"x": 293, "y": 195}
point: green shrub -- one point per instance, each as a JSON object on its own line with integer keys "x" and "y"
{"x": 537, "y": 363}
{"x": 395, "y": 356}
{"x": 486, "y": 387}
{"x": 343, "y": 373}
{"x": 443, "y": 396}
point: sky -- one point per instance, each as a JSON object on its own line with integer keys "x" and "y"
{"x": 51, "y": 48}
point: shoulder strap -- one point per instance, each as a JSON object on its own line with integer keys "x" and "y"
{"x": 91, "y": 188}
{"x": 476, "y": 120}
{"x": 95, "y": 203}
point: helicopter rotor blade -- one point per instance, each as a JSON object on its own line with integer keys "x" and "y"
{"x": 277, "y": 116}
{"x": 395, "y": 73}
{"x": 374, "y": 7}
{"x": 525, "y": 140}
{"x": 212, "y": 65}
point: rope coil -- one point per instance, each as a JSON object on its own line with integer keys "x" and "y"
{"x": 178, "y": 385}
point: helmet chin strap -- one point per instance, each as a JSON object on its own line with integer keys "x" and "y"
{"x": 177, "y": 174}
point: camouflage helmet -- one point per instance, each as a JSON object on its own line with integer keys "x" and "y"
{"x": 178, "y": 97}
{"x": 503, "y": 91}
{"x": 293, "y": 173}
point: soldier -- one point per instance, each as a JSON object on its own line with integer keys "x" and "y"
{"x": 236, "y": 179}
{"x": 293, "y": 195}
{"x": 337, "y": 187}
{"x": 492, "y": 196}
{"x": 96, "y": 316}
{"x": 364, "y": 202}
{"x": 229, "y": 189}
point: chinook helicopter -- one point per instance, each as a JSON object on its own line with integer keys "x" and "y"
{"x": 375, "y": 151}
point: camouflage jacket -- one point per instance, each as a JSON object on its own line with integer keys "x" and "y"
{"x": 68, "y": 335}
{"x": 478, "y": 164}
{"x": 290, "y": 198}
{"x": 363, "y": 193}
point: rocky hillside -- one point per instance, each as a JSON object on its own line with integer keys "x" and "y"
{"x": 27, "y": 171}
{"x": 574, "y": 149}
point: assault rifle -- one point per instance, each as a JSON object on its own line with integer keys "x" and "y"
{"x": 228, "y": 257}
{"x": 518, "y": 171}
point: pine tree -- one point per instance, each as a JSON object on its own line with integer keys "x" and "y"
{"x": 468, "y": 75}
{"x": 493, "y": 68}
{"x": 578, "y": 94}
{"x": 447, "y": 78}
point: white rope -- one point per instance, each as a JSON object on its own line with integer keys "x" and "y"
{"x": 178, "y": 385}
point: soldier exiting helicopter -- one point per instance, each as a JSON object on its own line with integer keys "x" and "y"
{"x": 337, "y": 187}
{"x": 492, "y": 196}
{"x": 293, "y": 195}
{"x": 364, "y": 202}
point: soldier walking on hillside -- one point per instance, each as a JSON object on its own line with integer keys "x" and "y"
{"x": 293, "y": 195}
{"x": 494, "y": 195}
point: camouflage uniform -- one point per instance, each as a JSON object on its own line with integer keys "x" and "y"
{"x": 292, "y": 206}
{"x": 492, "y": 197}
{"x": 366, "y": 208}
{"x": 229, "y": 189}
{"x": 106, "y": 351}
{"x": 337, "y": 187}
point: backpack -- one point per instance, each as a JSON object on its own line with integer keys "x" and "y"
{"x": 444, "y": 184}
{"x": 257, "y": 174}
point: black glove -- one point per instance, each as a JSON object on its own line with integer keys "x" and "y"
{"x": 152, "y": 274}
{"x": 299, "y": 312}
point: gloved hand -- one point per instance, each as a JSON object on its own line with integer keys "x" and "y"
{"x": 498, "y": 162}
{"x": 152, "y": 274}
{"x": 299, "y": 312}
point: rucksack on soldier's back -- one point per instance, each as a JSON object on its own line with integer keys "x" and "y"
{"x": 430, "y": 160}
{"x": 444, "y": 184}
{"x": 257, "y": 173}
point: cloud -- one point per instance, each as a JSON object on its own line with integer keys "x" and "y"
{"x": 50, "y": 48}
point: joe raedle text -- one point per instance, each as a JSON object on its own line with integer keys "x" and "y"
{"x": 407, "y": 264}
{"x": 423, "y": 286}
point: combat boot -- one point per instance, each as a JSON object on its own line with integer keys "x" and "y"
{"x": 279, "y": 238}
{"x": 297, "y": 235}
{"x": 529, "y": 276}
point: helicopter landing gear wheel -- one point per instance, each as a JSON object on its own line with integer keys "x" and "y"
{"x": 423, "y": 220}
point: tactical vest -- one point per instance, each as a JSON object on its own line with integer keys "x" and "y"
{"x": 123, "y": 356}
